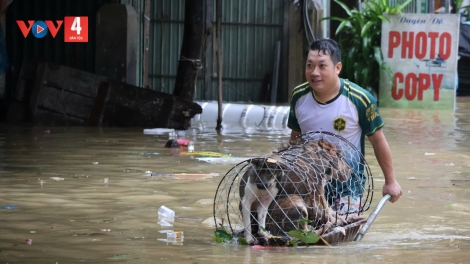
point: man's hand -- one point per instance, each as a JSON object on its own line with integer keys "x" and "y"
{"x": 394, "y": 189}
{"x": 384, "y": 157}
{"x": 293, "y": 135}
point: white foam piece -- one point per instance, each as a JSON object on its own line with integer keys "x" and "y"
{"x": 158, "y": 131}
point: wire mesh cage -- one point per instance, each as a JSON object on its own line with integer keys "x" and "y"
{"x": 320, "y": 182}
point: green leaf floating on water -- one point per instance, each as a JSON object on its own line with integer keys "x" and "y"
{"x": 221, "y": 235}
{"x": 242, "y": 241}
{"x": 120, "y": 256}
{"x": 217, "y": 238}
{"x": 308, "y": 237}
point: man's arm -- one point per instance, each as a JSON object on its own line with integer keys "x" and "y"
{"x": 384, "y": 157}
{"x": 293, "y": 136}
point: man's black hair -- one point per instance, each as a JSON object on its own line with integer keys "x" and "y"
{"x": 328, "y": 47}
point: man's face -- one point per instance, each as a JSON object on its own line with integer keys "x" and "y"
{"x": 320, "y": 71}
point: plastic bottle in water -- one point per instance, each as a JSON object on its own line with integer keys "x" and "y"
{"x": 190, "y": 146}
{"x": 170, "y": 237}
{"x": 171, "y": 135}
{"x": 183, "y": 142}
{"x": 166, "y": 213}
{"x": 181, "y": 133}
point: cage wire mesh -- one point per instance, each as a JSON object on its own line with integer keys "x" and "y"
{"x": 318, "y": 183}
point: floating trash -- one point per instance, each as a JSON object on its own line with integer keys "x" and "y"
{"x": 172, "y": 236}
{"x": 10, "y": 207}
{"x": 158, "y": 131}
{"x": 228, "y": 160}
{"x": 164, "y": 223}
{"x": 152, "y": 153}
{"x": 119, "y": 256}
{"x": 205, "y": 154}
{"x": 190, "y": 146}
{"x": 166, "y": 214}
{"x": 56, "y": 178}
{"x": 188, "y": 176}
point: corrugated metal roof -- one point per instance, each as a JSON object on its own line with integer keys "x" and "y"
{"x": 250, "y": 30}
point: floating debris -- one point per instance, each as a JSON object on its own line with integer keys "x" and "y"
{"x": 10, "y": 207}
{"x": 56, "y": 178}
{"x": 192, "y": 176}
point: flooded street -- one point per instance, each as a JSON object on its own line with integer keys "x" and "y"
{"x": 87, "y": 219}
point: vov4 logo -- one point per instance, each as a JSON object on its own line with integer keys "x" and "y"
{"x": 75, "y": 28}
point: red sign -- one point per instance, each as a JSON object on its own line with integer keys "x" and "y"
{"x": 76, "y": 29}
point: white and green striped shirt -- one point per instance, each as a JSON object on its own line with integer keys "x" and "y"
{"x": 352, "y": 114}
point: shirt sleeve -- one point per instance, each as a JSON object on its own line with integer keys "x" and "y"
{"x": 370, "y": 119}
{"x": 292, "y": 122}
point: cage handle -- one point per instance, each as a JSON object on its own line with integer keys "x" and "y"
{"x": 372, "y": 217}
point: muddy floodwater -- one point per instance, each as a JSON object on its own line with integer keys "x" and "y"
{"x": 83, "y": 195}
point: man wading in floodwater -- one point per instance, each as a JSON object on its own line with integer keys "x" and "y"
{"x": 332, "y": 104}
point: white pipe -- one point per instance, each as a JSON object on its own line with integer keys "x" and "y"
{"x": 243, "y": 115}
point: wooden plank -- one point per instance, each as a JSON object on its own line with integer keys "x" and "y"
{"x": 26, "y": 78}
{"x": 35, "y": 93}
{"x": 128, "y": 105}
{"x": 116, "y": 35}
{"x": 65, "y": 103}
{"x": 74, "y": 96}
{"x": 73, "y": 80}
{"x": 98, "y": 107}
{"x": 47, "y": 117}
{"x": 139, "y": 106}
{"x": 181, "y": 114}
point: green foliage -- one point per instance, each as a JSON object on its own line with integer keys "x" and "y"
{"x": 242, "y": 241}
{"x": 458, "y": 6}
{"x": 303, "y": 220}
{"x": 222, "y": 236}
{"x": 305, "y": 236}
{"x": 359, "y": 40}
